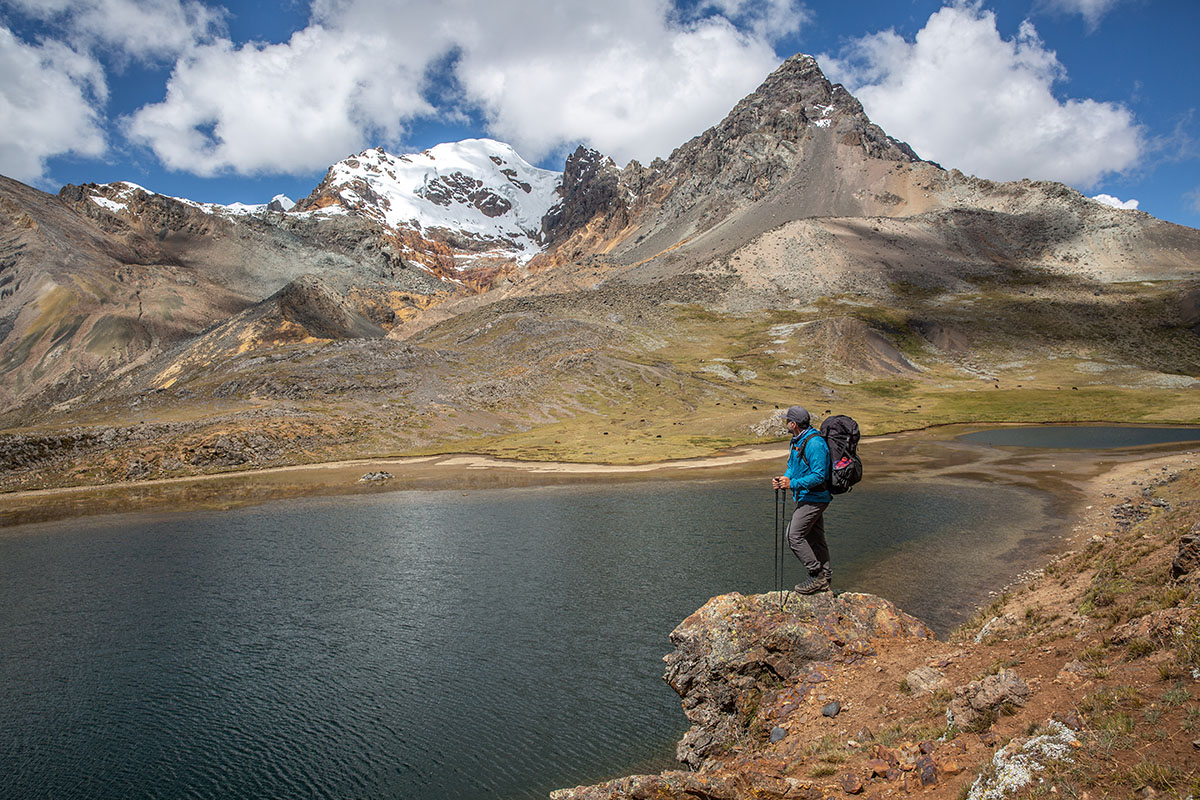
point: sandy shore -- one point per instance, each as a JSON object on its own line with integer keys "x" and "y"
{"x": 914, "y": 456}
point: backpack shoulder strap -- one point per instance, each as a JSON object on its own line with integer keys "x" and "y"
{"x": 803, "y": 449}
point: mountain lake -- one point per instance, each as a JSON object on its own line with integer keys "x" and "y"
{"x": 448, "y": 643}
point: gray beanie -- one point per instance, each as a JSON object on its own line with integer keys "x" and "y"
{"x": 799, "y": 415}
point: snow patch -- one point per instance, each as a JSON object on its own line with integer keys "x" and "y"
{"x": 111, "y": 205}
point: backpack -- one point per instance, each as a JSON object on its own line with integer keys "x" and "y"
{"x": 841, "y": 434}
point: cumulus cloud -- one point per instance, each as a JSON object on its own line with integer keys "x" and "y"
{"x": 134, "y": 29}
{"x": 620, "y": 76}
{"x": 1109, "y": 200}
{"x": 630, "y": 77}
{"x": 48, "y": 103}
{"x": 278, "y": 108}
{"x": 962, "y": 95}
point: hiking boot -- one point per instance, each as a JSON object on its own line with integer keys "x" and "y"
{"x": 814, "y": 584}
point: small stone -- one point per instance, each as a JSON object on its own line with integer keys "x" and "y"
{"x": 777, "y": 734}
{"x": 924, "y": 679}
{"x": 952, "y": 767}
{"x": 877, "y": 766}
{"x": 851, "y": 783}
{"x": 1196, "y": 743}
{"x": 927, "y": 770}
{"x": 831, "y": 709}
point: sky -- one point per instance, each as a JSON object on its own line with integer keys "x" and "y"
{"x": 238, "y": 101}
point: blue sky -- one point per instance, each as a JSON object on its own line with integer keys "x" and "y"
{"x": 236, "y": 102}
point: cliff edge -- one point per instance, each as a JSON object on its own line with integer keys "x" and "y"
{"x": 1082, "y": 681}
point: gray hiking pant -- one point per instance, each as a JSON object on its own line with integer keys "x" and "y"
{"x": 806, "y": 537}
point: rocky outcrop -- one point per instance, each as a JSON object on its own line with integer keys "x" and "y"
{"x": 1186, "y": 564}
{"x": 741, "y": 662}
{"x": 742, "y": 665}
{"x": 591, "y": 188}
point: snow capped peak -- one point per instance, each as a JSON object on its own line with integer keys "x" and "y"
{"x": 115, "y": 197}
{"x": 479, "y": 190}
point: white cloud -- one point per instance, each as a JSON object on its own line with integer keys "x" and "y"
{"x": 136, "y": 29}
{"x": 962, "y": 95}
{"x": 619, "y": 76}
{"x": 771, "y": 20}
{"x": 629, "y": 77}
{"x": 48, "y": 101}
{"x": 279, "y": 108}
{"x": 1109, "y": 200}
{"x": 1091, "y": 10}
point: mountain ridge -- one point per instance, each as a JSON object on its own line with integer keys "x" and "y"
{"x": 792, "y": 248}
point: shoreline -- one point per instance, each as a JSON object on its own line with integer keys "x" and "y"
{"x": 929, "y": 451}
{"x": 1071, "y": 651}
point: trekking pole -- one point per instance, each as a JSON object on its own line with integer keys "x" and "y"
{"x": 781, "y": 547}
{"x": 776, "y": 551}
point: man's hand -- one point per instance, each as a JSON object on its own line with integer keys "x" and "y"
{"x": 780, "y": 482}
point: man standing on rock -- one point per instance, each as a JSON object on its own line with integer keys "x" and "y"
{"x": 807, "y": 475}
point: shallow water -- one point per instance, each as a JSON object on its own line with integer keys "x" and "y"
{"x": 431, "y": 644}
{"x": 1081, "y": 437}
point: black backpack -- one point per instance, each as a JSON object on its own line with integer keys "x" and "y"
{"x": 841, "y": 434}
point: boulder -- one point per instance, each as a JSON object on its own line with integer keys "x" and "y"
{"x": 980, "y": 700}
{"x": 740, "y": 659}
{"x": 1187, "y": 560}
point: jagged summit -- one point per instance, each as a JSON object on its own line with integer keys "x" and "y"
{"x": 477, "y": 198}
{"x": 797, "y": 133}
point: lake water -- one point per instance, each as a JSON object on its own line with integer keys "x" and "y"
{"x": 1081, "y": 437}
{"x": 423, "y": 644}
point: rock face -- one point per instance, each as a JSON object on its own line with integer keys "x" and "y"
{"x": 1186, "y": 564}
{"x": 737, "y": 654}
{"x": 454, "y": 208}
{"x": 741, "y": 665}
{"x": 796, "y": 126}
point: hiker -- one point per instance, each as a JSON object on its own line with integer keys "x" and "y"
{"x": 807, "y": 476}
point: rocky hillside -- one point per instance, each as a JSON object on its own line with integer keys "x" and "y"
{"x": 795, "y": 128}
{"x": 797, "y": 194}
{"x": 794, "y": 250}
{"x": 102, "y": 278}
{"x": 1083, "y": 681}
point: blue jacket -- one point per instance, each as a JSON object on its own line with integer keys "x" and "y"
{"x": 809, "y": 475}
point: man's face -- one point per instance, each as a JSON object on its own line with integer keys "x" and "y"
{"x": 792, "y": 427}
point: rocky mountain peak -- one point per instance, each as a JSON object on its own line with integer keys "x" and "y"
{"x": 445, "y": 207}
{"x": 795, "y": 127}
{"x": 591, "y": 185}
